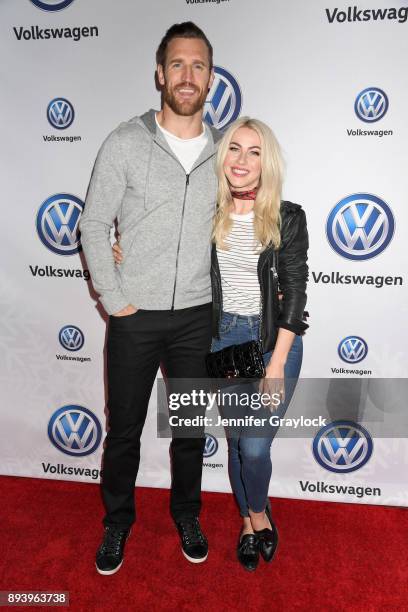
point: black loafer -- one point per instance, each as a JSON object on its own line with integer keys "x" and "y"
{"x": 248, "y": 551}
{"x": 268, "y": 539}
{"x": 109, "y": 557}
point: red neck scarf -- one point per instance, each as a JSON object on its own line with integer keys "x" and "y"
{"x": 245, "y": 195}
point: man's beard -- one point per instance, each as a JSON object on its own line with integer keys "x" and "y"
{"x": 186, "y": 108}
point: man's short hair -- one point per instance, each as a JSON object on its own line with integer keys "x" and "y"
{"x": 187, "y": 29}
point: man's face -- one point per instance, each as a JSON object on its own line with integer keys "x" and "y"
{"x": 186, "y": 77}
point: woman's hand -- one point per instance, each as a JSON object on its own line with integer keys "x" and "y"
{"x": 117, "y": 253}
{"x": 274, "y": 383}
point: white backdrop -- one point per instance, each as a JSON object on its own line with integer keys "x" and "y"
{"x": 300, "y": 67}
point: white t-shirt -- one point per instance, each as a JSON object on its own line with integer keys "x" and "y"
{"x": 239, "y": 267}
{"x": 187, "y": 150}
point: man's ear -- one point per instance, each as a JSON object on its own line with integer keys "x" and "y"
{"x": 211, "y": 81}
{"x": 160, "y": 74}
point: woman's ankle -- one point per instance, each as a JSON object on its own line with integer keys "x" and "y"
{"x": 259, "y": 520}
{"x": 246, "y": 525}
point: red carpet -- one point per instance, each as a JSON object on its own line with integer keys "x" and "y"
{"x": 331, "y": 556}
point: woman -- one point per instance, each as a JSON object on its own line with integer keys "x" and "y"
{"x": 259, "y": 243}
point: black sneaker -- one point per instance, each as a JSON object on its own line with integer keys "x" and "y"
{"x": 109, "y": 557}
{"x": 193, "y": 542}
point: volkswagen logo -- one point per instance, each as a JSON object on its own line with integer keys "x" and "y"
{"x": 371, "y": 104}
{"x": 60, "y": 113}
{"x": 57, "y": 223}
{"x": 360, "y": 226}
{"x": 342, "y": 446}
{"x": 352, "y": 349}
{"x": 52, "y": 5}
{"x": 224, "y": 100}
{"x": 71, "y": 338}
{"x": 75, "y": 430}
{"x": 211, "y": 446}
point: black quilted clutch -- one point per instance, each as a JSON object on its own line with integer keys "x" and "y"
{"x": 237, "y": 361}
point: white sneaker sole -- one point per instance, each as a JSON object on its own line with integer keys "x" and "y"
{"x": 108, "y": 572}
{"x": 193, "y": 560}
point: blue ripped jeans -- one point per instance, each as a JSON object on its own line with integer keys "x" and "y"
{"x": 249, "y": 457}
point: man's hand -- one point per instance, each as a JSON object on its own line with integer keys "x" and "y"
{"x": 128, "y": 310}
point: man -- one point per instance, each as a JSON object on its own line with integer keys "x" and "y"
{"x": 155, "y": 175}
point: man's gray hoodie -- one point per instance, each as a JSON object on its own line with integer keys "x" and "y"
{"x": 164, "y": 219}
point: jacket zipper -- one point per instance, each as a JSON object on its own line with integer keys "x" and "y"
{"x": 260, "y": 329}
{"x": 184, "y": 203}
{"x": 275, "y": 296}
{"x": 179, "y": 239}
{"x": 260, "y": 306}
{"x": 274, "y": 271}
{"x": 275, "y": 278}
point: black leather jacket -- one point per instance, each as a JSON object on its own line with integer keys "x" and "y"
{"x": 284, "y": 270}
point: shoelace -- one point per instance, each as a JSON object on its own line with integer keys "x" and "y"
{"x": 191, "y": 532}
{"x": 113, "y": 541}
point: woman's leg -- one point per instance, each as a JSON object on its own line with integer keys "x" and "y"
{"x": 234, "y": 330}
{"x": 255, "y": 452}
{"x": 256, "y": 471}
{"x": 234, "y": 470}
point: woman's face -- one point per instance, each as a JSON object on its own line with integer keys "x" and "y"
{"x": 242, "y": 164}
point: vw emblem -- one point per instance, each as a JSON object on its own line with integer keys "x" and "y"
{"x": 342, "y": 446}
{"x": 211, "y": 446}
{"x": 224, "y": 100}
{"x": 52, "y": 5}
{"x": 57, "y": 223}
{"x": 75, "y": 430}
{"x": 60, "y": 113}
{"x": 71, "y": 338}
{"x": 352, "y": 349}
{"x": 360, "y": 226}
{"x": 371, "y": 104}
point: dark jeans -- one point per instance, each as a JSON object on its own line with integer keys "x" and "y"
{"x": 249, "y": 457}
{"x": 136, "y": 346}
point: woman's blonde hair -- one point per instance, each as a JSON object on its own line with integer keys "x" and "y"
{"x": 268, "y": 197}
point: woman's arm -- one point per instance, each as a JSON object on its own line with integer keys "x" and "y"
{"x": 293, "y": 271}
{"x": 274, "y": 381}
{"x": 293, "y": 275}
{"x": 280, "y": 352}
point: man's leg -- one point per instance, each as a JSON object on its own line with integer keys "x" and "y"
{"x": 133, "y": 357}
{"x": 187, "y": 344}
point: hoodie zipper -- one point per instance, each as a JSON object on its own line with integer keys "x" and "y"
{"x": 179, "y": 239}
{"x": 184, "y": 204}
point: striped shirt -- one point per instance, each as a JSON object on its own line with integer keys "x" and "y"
{"x": 238, "y": 267}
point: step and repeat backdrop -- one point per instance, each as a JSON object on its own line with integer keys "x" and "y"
{"x": 331, "y": 81}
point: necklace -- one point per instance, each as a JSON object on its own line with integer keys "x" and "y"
{"x": 245, "y": 195}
